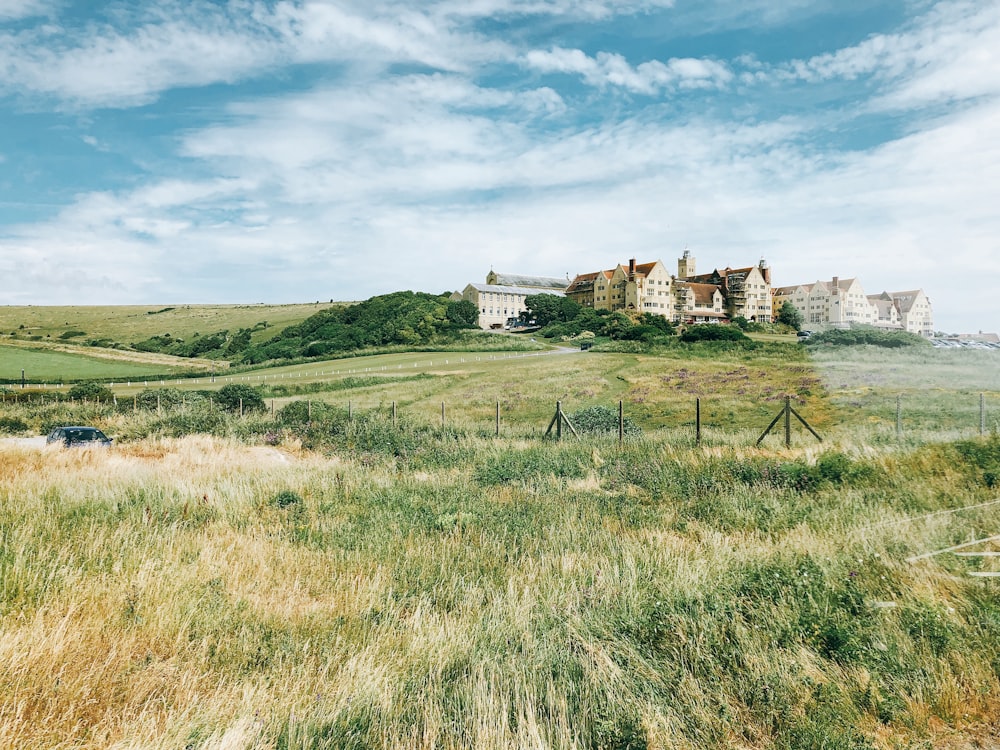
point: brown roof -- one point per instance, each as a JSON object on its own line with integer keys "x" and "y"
{"x": 581, "y": 282}
{"x": 703, "y": 293}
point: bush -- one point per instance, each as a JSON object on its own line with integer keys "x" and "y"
{"x": 285, "y": 498}
{"x": 712, "y": 332}
{"x": 303, "y": 412}
{"x": 164, "y": 398}
{"x": 90, "y": 391}
{"x": 601, "y": 420}
{"x": 13, "y": 425}
{"x": 867, "y": 336}
{"x": 230, "y": 397}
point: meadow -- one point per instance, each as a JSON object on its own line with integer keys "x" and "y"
{"x": 130, "y": 323}
{"x": 309, "y": 580}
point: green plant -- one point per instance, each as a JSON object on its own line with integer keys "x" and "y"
{"x": 602, "y": 420}
{"x": 239, "y": 397}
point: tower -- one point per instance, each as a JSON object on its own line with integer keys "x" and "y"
{"x": 685, "y": 265}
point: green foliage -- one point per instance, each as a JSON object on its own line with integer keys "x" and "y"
{"x": 602, "y": 420}
{"x": 406, "y": 318}
{"x": 162, "y": 398}
{"x": 462, "y": 313}
{"x": 90, "y": 391}
{"x": 546, "y": 309}
{"x": 236, "y": 396}
{"x": 286, "y": 498}
{"x": 298, "y": 413}
{"x": 65, "y": 335}
{"x": 711, "y": 332}
{"x": 789, "y": 315}
{"x": 209, "y": 345}
{"x": 532, "y": 464}
{"x": 13, "y": 425}
{"x": 867, "y": 335}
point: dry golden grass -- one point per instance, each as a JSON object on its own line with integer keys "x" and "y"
{"x": 155, "y": 595}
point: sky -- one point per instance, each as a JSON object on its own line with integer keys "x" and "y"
{"x": 250, "y": 151}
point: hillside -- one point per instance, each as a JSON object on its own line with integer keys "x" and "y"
{"x": 124, "y": 325}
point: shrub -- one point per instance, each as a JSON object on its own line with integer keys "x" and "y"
{"x": 164, "y": 398}
{"x": 231, "y": 396}
{"x": 712, "y": 332}
{"x": 303, "y": 412}
{"x": 601, "y": 420}
{"x": 90, "y": 391}
{"x": 285, "y": 498}
{"x": 867, "y": 335}
{"x": 13, "y": 425}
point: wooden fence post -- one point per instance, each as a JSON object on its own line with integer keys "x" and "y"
{"x": 788, "y": 421}
{"x": 442, "y": 415}
{"x": 621, "y": 421}
{"x": 697, "y": 421}
{"x": 498, "y": 417}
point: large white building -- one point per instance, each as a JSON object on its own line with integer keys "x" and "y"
{"x": 841, "y": 303}
{"x": 501, "y": 299}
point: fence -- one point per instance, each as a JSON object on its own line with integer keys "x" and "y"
{"x": 974, "y": 417}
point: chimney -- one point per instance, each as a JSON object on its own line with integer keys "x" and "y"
{"x": 835, "y": 285}
{"x": 631, "y": 268}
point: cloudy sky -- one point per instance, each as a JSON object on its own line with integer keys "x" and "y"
{"x": 302, "y": 150}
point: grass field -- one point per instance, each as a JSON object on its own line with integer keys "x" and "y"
{"x": 209, "y": 594}
{"x": 52, "y": 365}
{"x": 128, "y": 324}
{"x": 364, "y": 584}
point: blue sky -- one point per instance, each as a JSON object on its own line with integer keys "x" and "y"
{"x": 212, "y": 151}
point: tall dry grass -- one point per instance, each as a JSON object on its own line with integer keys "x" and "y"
{"x": 204, "y": 593}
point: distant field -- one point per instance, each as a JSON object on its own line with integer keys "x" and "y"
{"x": 934, "y": 386}
{"x": 127, "y": 324}
{"x": 49, "y": 365}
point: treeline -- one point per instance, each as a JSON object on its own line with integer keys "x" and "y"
{"x": 861, "y": 335}
{"x": 401, "y": 318}
{"x": 562, "y": 318}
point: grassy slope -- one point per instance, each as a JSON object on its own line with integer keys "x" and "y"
{"x": 53, "y": 358}
{"x": 50, "y": 362}
{"x": 128, "y": 324}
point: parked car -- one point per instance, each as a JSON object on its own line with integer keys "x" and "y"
{"x": 804, "y": 334}
{"x": 78, "y": 437}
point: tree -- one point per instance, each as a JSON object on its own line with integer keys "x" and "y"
{"x": 789, "y": 315}
{"x": 550, "y": 308}
{"x": 462, "y": 314}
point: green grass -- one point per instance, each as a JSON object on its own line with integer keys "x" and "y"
{"x": 130, "y": 323}
{"x": 359, "y": 582}
{"x": 55, "y": 366}
{"x": 479, "y": 593}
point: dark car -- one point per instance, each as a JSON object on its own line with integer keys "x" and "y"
{"x": 78, "y": 437}
{"x": 804, "y": 334}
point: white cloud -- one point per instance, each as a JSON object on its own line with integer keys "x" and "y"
{"x": 12, "y": 10}
{"x": 950, "y": 53}
{"x": 647, "y": 78}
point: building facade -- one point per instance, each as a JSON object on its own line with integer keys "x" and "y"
{"x": 500, "y": 304}
{"x": 841, "y": 303}
{"x": 746, "y": 291}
